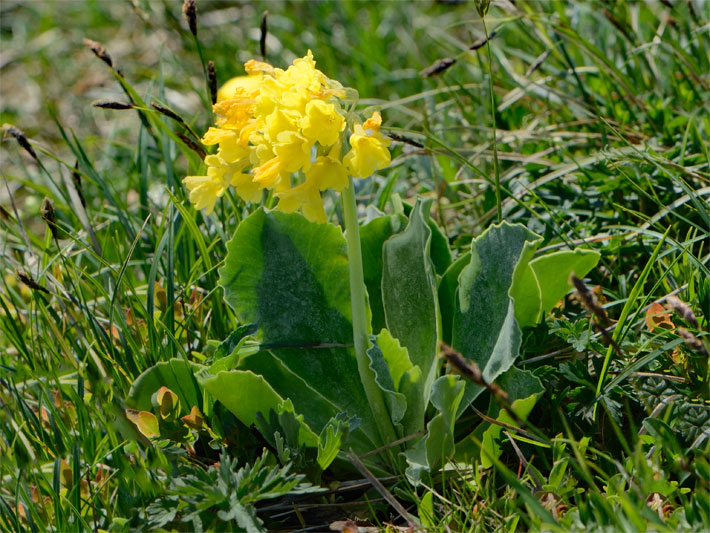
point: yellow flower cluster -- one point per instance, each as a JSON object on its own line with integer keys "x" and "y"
{"x": 284, "y": 130}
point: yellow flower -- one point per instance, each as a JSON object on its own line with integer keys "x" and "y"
{"x": 303, "y": 73}
{"x": 293, "y": 150}
{"x": 280, "y": 121}
{"x": 268, "y": 174}
{"x": 205, "y": 190}
{"x": 245, "y": 82}
{"x": 369, "y": 149}
{"x": 322, "y": 122}
{"x": 282, "y": 130}
{"x": 327, "y": 173}
{"x": 306, "y": 197}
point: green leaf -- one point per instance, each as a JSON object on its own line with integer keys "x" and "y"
{"x": 232, "y": 342}
{"x": 409, "y": 293}
{"x": 447, "y": 295}
{"x": 485, "y": 330}
{"x": 372, "y": 238}
{"x": 307, "y": 399}
{"x": 245, "y": 395}
{"x": 290, "y": 277}
{"x": 523, "y": 390}
{"x": 331, "y": 439}
{"x": 400, "y": 381}
{"x": 440, "y": 252}
{"x": 438, "y": 443}
{"x": 147, "y": 423}
{"x": 175, "y": 374}
{"x": 544, "y": 282}
{"x": 395, "y": 401}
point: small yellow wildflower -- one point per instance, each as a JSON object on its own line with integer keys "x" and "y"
{"x": 369, "y": 149}
{"x": 322, "y": 123}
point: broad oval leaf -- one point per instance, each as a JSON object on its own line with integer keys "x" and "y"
{"x": 485, "y": 330}
{"x": 290, "y": 277}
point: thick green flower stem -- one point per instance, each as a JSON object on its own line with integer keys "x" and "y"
{"x": 359, "y": 308}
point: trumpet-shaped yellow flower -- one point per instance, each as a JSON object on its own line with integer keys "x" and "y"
{"x": 369, "y": 149}
{"x": 327, "y": 173}
{"x": 306, "y": 197}
{"x": 269, "y": 174}
{"x": 294, "y": 151}
{"x": 322, "y": 122}
{"x": 205, "y": 190}
{"x": 283, "y": 130}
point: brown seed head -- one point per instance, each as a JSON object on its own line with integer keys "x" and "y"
{"x": 193, "y": 145}
{"x": 21, "y": 139}
{"x": 99, "y": 51}
{"x": 212, "y": 81}
{"x": 264, "y": 32}
{"x": 480, "y": 42}
{"x": 112, "y": 104}
{"x": 189, "y": 11}
{"x": 49, "y": 216}
{"x": 28, "y": 280}
{"x": 167, "y": 112}
{"x": 76, "y": 178}
{"x": 439, "y": 66}
{"x": 692, "y": 341}
{"x": 682, "y": 309}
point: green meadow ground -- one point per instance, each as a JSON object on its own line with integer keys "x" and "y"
{"x": 601, "y": 140}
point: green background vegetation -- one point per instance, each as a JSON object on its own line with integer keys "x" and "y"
{"x": 602, "y": 123}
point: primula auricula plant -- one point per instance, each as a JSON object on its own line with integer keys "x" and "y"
{"x": 284, "y": 130}
{"x": 349, "y": 323}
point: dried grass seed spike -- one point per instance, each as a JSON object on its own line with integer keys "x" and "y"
{"x": 99, "y": 51}
{"x": 189, "y": 11}
{"x": 76, "y": 179}
{"x": 28, "y": 280}
{"x": 49, "y": 216}
{"x": 683, "y": 310}
{"x": 212, "y": 81}
{"x": 439, "y": 66}
{"x": 193, "y": 145}
{"x": 21, "y": 139}
{"x": 692, "y": 341}
{"x": 112, "y": 104}
{"x": 264, "y": 32}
